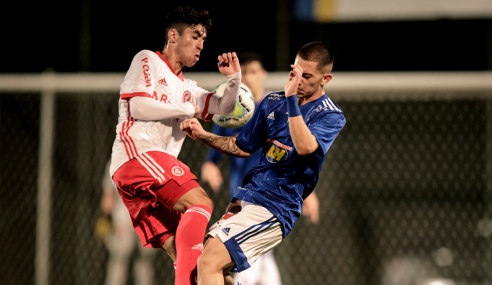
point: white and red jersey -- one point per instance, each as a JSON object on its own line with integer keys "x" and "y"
{"x": 153, "y": 77}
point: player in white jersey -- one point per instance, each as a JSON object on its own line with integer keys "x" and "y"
{"x": 167, "y": 206}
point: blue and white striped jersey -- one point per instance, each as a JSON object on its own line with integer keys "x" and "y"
{"x": 283, "y": 179}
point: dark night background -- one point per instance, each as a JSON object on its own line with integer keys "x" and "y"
{"x": 96, "y": 36}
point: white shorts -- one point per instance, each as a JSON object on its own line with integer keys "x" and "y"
{"x": 247, "y": 235}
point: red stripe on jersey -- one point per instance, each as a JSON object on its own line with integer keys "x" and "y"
{"x": 122, "y": 137}
{"x": 134, "y": 94}
{"x": 132, "y": 146}
{"x": 126, "y": 140}
{"x": 205, "y": 115}
{"x": 132, "y": 143}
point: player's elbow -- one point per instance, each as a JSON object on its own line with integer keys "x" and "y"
{"x": 306, "y": 149}
{"x": 231, "y": 107}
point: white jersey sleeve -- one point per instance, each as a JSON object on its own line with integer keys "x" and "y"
{"x": 211, "y": 103}
{"x": 140, "y": 78}
{"x": 144, "y": 108}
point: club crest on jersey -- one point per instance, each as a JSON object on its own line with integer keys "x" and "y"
{"x": 186, "y": 96}
{"x": 177, "y": 171}
{"x": 277, "y": 152}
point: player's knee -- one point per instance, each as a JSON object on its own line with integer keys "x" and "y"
{"x": 200, "y": 197}
{"x": 205, "y": 264}
{"x": 207, "y": 202}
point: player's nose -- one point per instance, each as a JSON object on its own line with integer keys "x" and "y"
{"x": 199, "y": 45}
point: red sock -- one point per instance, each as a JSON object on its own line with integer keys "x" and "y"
{"x": 189, "y": 242}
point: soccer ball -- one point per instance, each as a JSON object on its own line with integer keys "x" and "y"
{"x": 244, "y": 108}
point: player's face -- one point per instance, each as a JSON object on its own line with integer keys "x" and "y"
{"x": 189, "y": 45}
{"x": 253, "y": 75}
{"x": 312, "y": 79}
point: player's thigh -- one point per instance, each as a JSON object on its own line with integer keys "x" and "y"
{"x": 195, "y": 196}
{"x": 215, "y": 256}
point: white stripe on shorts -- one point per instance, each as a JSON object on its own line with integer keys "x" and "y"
{"x": 149, "y": 163}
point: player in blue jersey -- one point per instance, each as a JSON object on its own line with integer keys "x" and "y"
{"x": 294, "y": 129}
{"x": 265, "y": 269}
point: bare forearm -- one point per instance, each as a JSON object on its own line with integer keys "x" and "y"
{"x": 304, "y": 141}
{"x": 226, "y": 145}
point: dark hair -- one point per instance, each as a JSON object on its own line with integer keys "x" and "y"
{"x": 180, "y": 18}
{"x": 249, "y": 57}
{"x": 317, "y": 52}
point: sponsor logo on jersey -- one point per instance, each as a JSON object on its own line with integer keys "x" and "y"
{"x": 163, "y": 98}
{"x": 186, "y": 96}
{"x": 277, "y": 143}
{"x": 226, "y": 231}
{"x": 177, "y": 171}
{"x": 271, "y": 116}
{"x": 146, "y": 72}
{"x": 162, "y": 81}
{"x": 275, "y": 96}
{"x": 277, "y": 152}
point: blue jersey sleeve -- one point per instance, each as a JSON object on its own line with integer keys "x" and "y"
{"x": 252, "y": 136}
{"x": 327, "y": 128}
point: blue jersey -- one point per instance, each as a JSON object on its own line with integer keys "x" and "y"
{"x": 283, "y": 179}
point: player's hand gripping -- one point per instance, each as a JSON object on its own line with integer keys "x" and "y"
{"x": 229, "y": 63}
{"x": 194, "y": 129}
{"x": 294, "y": 79}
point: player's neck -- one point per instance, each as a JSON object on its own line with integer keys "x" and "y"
{"x": 169, "y": 55}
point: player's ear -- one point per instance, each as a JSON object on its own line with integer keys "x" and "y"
{"x": 172, "y": 35}
{"x": 326, "y": 78}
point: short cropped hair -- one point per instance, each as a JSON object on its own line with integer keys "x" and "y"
{"x": 249, "y": 57}
{"x": 317, "y": 52}
{"x": 180, "y": 18}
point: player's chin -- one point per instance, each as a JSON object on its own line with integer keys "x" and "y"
{"x": 192, "y": 62}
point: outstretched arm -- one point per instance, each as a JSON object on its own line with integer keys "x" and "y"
{"x": 226, "y": 104}
{"x": 226, "y": 145}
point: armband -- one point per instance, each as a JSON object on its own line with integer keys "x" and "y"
{"x": 293, "y": 106}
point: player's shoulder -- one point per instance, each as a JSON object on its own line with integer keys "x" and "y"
{"x": 330, "y": 111}
{"x": 334, "y": 106}
{"x": 146, "y": 55}
{"x": 190, "y": 82}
